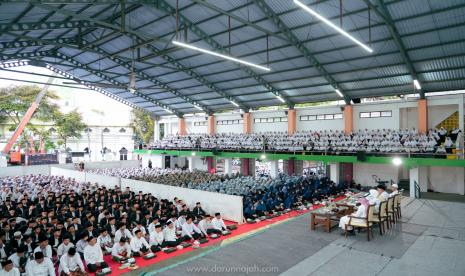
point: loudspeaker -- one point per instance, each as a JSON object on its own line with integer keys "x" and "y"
{"x": 356, "y": 100}
{"x": 342, "y": 108}
{"x": 242, "y": 115}
{"x": 285, "y": 112}
{"x": 361, "y": 156}
{"x": 206, "y": 118}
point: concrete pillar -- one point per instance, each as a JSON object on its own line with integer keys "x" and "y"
{"x": 291, "y": 121}
{"x": 211, "y": 125}
{"x": 422, "y": 116}
{"x": 334, "y": 170}
{"x": 245, "y": 166}
{"x": 347, "y": 171}
{"x": 274, "y": 168}
{"x": 228, "y": 166}
{"x": 182, "y": 126}
{"x": 156, "y": 131}
{"x": 3, "y": 161}
{"x": 190, "y": 161}
{"x": 348, "y": 119}
{"x": 247, "y": 117}
{"x": 211, "y": 164}
{"x": 290, "y": 166}
{"x": 252, "y": 166}
{"x": 420, "y": 176}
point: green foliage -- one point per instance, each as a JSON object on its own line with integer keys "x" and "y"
{"x": 16, "y": 100}
{"x": 143, "y": 125}
{"x": 70, "y": 125}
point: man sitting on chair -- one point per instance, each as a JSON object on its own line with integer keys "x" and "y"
{"x": 361, "y": 213}
{"x": 189, "y": 230}
{"x": 139, "y": 245}
{"x": 394, "y": 189}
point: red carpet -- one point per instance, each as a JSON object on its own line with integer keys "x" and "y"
{"x": 241, "y": 229}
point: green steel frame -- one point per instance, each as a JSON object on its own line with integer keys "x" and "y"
{"x": 406, "y": 161}
{"x": 86, "y": 24}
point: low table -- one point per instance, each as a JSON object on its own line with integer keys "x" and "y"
{"x": 322, "y": 218}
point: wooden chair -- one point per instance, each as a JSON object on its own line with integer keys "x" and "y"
{"x": 397, "y": 205}
{"x": 363, "y": 222}
{"x": 390, "y": 211}
{"x": 381, "y": 217}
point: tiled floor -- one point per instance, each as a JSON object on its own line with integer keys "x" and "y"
{"x": 429, "y": 241}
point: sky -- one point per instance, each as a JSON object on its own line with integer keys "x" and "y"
{"x": 96, "y": 108}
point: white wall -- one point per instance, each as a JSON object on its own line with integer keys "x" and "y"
{"x": 24, "y": 170}
{"x": 363, "y": 173}
{"x": 103, "y": 180}
{"x": 199, "y": 163}
{"x": 337, "y": 124}
{"x": 233, "y": 128}
{"x": 228, "y": 205}
{"x": 404, "y": 115}
{"x": 438, "y": 113}
{"x": 447, "y": 179}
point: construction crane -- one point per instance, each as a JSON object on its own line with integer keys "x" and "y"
{"x": 16, "y": 156}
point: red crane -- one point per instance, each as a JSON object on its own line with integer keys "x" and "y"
{"x": 27, "y": 117}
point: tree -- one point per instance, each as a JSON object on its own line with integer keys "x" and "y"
{"x": 16, "y": 100}
{"x": 142, "y": 124}
{"x": 69, "y": 125}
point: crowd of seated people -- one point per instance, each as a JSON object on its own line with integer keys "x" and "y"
{"x": 264, "y": 195}
{"x": 50, "y": 222}
{"x": 371, "y": 141}
{"x": 173, "y": 177}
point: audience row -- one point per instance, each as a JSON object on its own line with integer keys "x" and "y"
{"x": 50, "y": 221}
{"x": 371, "y": 141}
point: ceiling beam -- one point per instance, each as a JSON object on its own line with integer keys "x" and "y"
{"x": 162, "y": 5}
{"x": 140, "y": 39}
{"x": 145, "y": 76}
{"x": 106, "y": 78}
{"x": 294, "y": 41}
{"x": 381, "y": 10}
{"x": 239, "y": 19}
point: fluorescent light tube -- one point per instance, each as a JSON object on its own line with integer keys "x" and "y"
{"x": 234, "y": 103}
{"x": 169, "y": 111}
{"x": 417, "y": 84}
{"x": 339, "y": 93}
{"x": 198, "y": 107}
{"x": 329, "y": 23}
{"x": 280, "y": 99}
{"x": 220, "y": 55}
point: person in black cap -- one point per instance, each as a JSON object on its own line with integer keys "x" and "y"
{"x": 93, "y": 255}
{"x": 41, "y": 265}
{"x": 121, "y": 251}
{"x": 105, "y": 241}
{"x": 19, "y": 259}
{"x": 198, "y": 212}
{"x": 71, "y": 263}
{"x": 44, "y": 247}
{"x": 139, "y": 244}
{"x": 382, "y": 194}
{"x": 8, "y": 269}
{"x": 169, "y": 235}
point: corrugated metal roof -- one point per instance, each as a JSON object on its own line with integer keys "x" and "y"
{"x": 433, "y": 33}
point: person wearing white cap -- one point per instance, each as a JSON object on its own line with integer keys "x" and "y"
{"x": 394, "y": 189}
